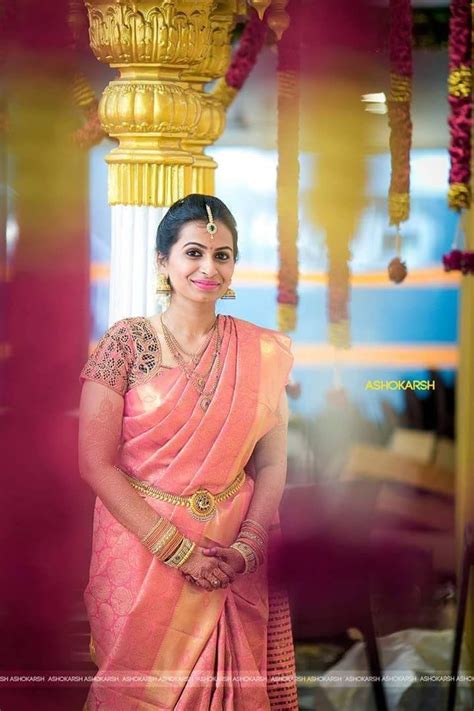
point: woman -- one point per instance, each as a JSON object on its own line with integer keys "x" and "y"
{"x": 183, "y": 422}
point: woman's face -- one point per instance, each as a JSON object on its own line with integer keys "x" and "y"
{"x": 200, "y": 266}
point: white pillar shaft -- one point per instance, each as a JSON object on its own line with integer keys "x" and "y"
{"x": 133, "y": 263}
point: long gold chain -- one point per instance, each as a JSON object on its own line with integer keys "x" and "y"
{"x": 195, "y": 357}
{"x": 174, "y": 347}
{"x": 197, "y": 379}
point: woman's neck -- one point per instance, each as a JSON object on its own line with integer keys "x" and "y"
{"x": 190, "y": 319}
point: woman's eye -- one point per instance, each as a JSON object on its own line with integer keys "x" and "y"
{"x": 193, "y": 253}
{"x": 223, "y": 256}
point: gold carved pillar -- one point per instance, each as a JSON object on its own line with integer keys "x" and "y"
{"x": 157, "y": 108}
{"x": 465, "y": 435}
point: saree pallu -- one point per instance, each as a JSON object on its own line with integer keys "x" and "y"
{"x": 158, "y": 641}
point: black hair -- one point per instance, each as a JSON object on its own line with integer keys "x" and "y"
{"x": 192, "y": 208}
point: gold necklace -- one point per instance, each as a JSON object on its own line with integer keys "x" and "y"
{"x": 195, "y": 357}
{"x": 199, "y": 380}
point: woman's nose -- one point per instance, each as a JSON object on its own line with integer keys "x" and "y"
{"x": 208, "y": 266}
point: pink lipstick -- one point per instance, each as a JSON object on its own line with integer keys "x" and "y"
{"x": 206, "y": 285}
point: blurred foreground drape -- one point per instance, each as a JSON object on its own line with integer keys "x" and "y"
{"x": 45, "y": 332}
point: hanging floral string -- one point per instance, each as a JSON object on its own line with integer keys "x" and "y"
{"x": 288, "y": 176}
{"x": 460, "y": 101}
{"x": 251, "y": 42}
{"x": 401, "y": 72}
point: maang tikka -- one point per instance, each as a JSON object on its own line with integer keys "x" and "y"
{"x": 211, "y": 226}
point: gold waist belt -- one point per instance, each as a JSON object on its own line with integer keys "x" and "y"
{"x": 202, "y": 503}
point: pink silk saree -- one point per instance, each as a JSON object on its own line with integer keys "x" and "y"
{"x": 159, "y": 642}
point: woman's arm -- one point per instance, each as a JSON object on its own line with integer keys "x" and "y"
{"x": 100, "y": 428}
{"x": 270, "y": 458}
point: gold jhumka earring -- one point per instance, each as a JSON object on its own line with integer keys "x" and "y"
{"x": 162, "y": 285}
{"x": 229, "y": 294}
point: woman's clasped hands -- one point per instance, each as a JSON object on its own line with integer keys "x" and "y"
{"x": 213, "y": 568}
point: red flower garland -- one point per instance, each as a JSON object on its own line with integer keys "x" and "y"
{"x": 457, "y": 260}
{"x": 460, "y": 101}
{"x": 245, "y": 58}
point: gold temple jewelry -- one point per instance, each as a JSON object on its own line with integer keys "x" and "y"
{"x": 202, "y": 503}
{"x": 182, "y": 553}
{"x": 152, "y": 530}
{"x": 251, "y": 562}
{"x": 175, "y": 349}
{"x": 211, "y": 226}
{"x": 197, "y": 379}
{"x": 229, "y": 294}
{"x": 186, "y": 555}
{"x": 195, "y": 357}
{"x": 162, "y": 285}
{"x": 165, "y": 538}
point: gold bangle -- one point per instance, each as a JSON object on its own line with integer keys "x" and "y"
{"x": 180, "y": 555}
{"x": 157, "y": 536}
{"x": 251, "y": 562}
{"x": 187, "y": 555}
{"x": 156, "y": 530}
{"x": 171, "y": 546}
{"x": 164, "y": 540}
{"x": 144, "y": 538}
{"x": 249, "y": 522}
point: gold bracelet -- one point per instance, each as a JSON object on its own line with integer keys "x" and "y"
{"x": 172, "y": 546}
{"x": 157, "y": 535}
{"x": 145, "y": 538}
{"x": 258, "y": 528}
{"x": 181, "y": 554}
{"x": 255, "y": 544}
{"x": 187, "y": 555}
{"x": 164, "y": 540}
{"x": 251, "y": 562}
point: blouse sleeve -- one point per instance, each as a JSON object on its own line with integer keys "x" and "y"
{"x": 111, "y": 360}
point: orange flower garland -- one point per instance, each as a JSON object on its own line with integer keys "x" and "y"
{"x": 288, "y": 176}
{"x": 401, "y": 71}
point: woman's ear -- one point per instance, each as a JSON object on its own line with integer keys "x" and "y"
{"x": 161, "y": 262}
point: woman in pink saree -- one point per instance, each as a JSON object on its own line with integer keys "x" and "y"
{"x": 183, "y": 425}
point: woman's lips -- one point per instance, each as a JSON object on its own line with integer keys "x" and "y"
{"x": 206, "y": 285}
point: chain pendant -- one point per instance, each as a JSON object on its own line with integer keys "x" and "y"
{"x": 203, "y": 505}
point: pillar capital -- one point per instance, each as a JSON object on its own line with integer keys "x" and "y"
{"x": 158, "y": 108}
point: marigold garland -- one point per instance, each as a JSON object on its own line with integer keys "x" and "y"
{"x": 401, "y": 71}
{"x": 460, "y": 101}
{"x": 288, "y": 176}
